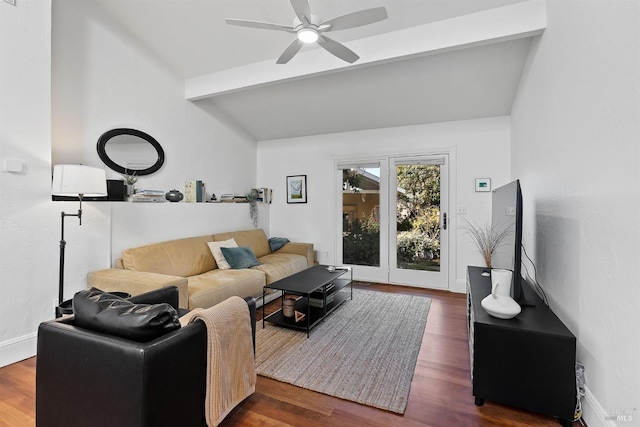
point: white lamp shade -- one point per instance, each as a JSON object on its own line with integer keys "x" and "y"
{"x": 72, "y": 180}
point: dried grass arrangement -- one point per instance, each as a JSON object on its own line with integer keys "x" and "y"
{"x": 487, "y": 239}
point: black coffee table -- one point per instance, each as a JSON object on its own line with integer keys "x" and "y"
{"x": 320, "y": 292}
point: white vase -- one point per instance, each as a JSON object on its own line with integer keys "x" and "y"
{"x": 501, "y": 282}
{"x": 499, "y": 303}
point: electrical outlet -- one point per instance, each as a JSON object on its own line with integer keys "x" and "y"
{"x": 461, "y": 210}
{"x": 11, "y": 2}
{"x": 326, "y": 255}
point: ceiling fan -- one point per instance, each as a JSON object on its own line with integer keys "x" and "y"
{"x": 310, "y": 29}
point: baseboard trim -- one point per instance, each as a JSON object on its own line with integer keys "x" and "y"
{"x": 593, "y": 414}
{"x": 18, "y": 349}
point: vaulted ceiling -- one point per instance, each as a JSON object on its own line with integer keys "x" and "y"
{"x": 413, "y": 68}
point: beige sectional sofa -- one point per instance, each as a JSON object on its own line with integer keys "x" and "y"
{"x": 189, "y": 264}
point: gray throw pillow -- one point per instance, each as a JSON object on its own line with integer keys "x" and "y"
{"x": 276, "y": 243}
{"x": 240, "y": 257}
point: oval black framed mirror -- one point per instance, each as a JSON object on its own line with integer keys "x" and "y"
{"x": 130, "y": 152}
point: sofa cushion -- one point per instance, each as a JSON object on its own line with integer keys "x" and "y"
{"x": 278, "y": 265}
{"x": 255, "y": 239}
{"x": 182, "y": 257}
{"x": 213, "y": 287}
{"x": 240, "y": 257}
{"x": 103, "y": 312}
{"x": 214, "y": 247}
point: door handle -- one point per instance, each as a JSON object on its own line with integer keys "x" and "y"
{"x": 444, "y": 221}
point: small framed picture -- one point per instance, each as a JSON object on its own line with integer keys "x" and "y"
{"x": 297, "y": 189}
{"x": 483, "y": 184}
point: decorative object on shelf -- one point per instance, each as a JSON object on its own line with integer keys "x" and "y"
{"x": 74, "y": 181}
{"x": 130, "y": 150}
{"x": 174, "y": 196}
{"x": 299, "y": 316}
{"x": 483, "y": 185}
{"x": 116, "y": 190}
{"x": 288, "y": 306}
{"x": 499, "y": 302}
{"x": 487, "y": 239}
{"x": 297, "y": 189}
{"x": 130, "y": 182}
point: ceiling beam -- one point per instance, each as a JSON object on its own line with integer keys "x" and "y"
{"x": 515, "y": 21}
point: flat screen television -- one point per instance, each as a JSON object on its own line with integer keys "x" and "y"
{"x": 506, "y": 213}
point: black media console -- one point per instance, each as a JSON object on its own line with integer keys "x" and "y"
{"x": 527, "y": 362}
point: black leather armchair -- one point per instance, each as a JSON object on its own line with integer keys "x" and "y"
{"x": 87, "y": 378}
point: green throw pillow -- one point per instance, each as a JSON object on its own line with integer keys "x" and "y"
{"x": 240, "y": 257}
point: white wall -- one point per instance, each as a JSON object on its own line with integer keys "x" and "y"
{"x": 29, "y": 224}
{"x": 480, "y": 149}
{"x": 576, "y": 148}
{"x": 68, "y": 75}
{"x": 136, "y": 224}
{"x": 103, "y": 78}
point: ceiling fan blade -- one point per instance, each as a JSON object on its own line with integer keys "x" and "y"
{"x": 261, "y": 25}
{"x": 302, "y": 9}
{"x": 338, "y": 49}
{"x": 290, "y": 52}
{"x": 356, "y": 19}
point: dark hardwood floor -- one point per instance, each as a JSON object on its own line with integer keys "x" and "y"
{"x": 440, "y": 391}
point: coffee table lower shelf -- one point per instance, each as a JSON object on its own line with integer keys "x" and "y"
{"x": 313, "y": 315}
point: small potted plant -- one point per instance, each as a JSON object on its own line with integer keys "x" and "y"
{"x": 130, "y": 181}
{"x": 487, "y": 239}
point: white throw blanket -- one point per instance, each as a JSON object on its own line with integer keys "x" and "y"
{"x": 231, "y": 373}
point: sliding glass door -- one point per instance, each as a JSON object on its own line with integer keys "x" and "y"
{"x": 393, "y": 224}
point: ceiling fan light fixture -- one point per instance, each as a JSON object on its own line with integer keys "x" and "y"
{"x": 308, "y": 35}
{"x": 309, "y": 28}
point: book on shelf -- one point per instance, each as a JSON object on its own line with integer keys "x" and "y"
{"x": 148, "y": 196}
{"x": 319, "y": 302}
{"x": 145, "y": 192}
{"x": 234, "y": 198}
{"x": 145, "y": 195}
{"x": 264, "y": 195}
{"x": 194, "y": 191}
{"x": 327, "y": 288}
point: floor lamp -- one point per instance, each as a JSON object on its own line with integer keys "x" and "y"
{"x": 74, "y": 181}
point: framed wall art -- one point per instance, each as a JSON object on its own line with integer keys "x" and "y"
{"x": 297, "y": 189}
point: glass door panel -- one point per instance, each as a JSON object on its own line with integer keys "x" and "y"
{"x": 418, "y": 241}
{"x": 361, "y": 216}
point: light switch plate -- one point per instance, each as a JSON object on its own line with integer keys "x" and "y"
{"x": 11, "y": 165}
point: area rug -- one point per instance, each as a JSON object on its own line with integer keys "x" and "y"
{"x": 365, "y": 351}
